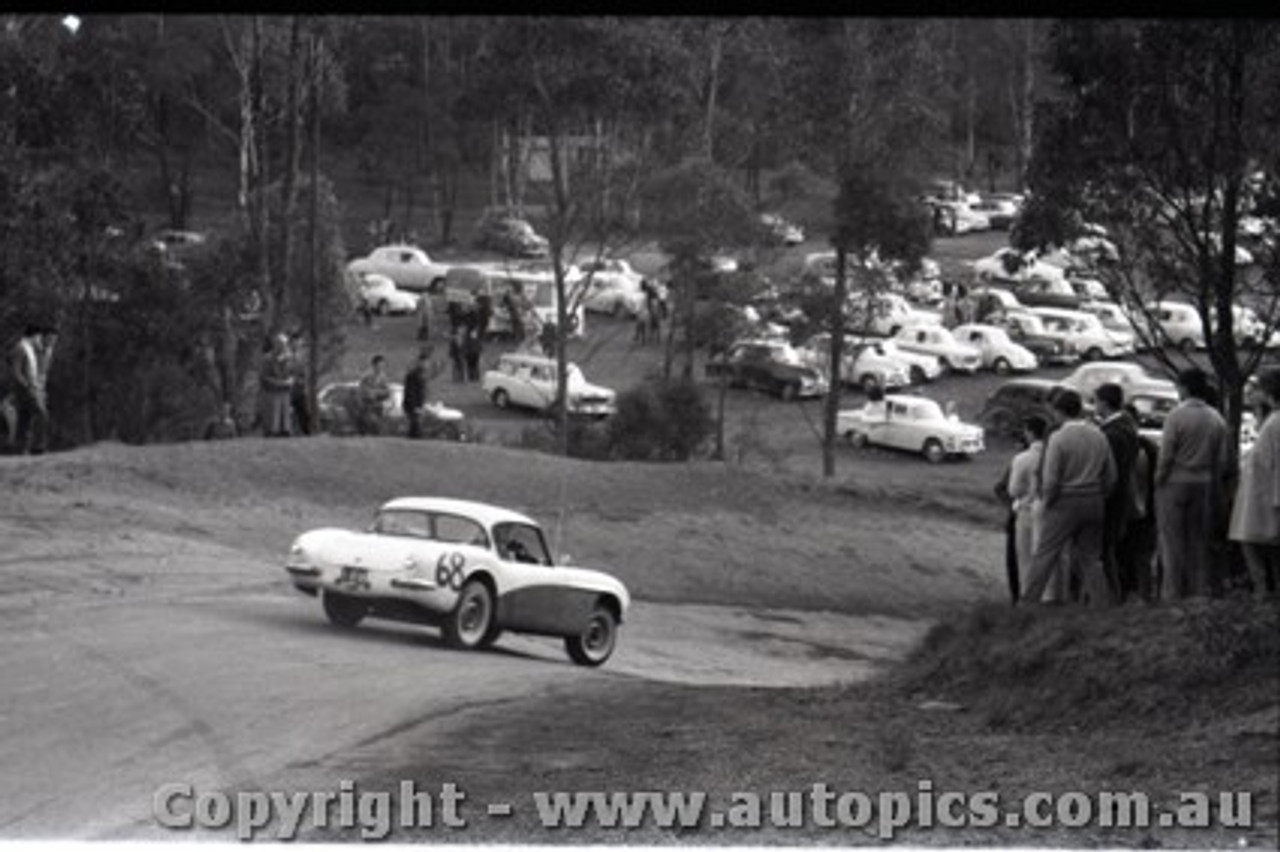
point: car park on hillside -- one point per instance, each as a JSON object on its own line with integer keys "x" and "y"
{"x": 912, "y": 423}
{"x": 471, "y": 569}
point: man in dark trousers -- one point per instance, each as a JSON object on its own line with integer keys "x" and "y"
{"x": 417, "y": 387}
{"x": 1122, "y": 435}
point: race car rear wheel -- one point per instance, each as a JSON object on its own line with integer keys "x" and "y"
{"x": 344, "y": 610}
{"x": 472, "y": 617}
{"x": 595, "y": 644}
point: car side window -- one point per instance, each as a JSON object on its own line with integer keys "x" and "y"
{"x": 520, "y": 543}
{"x": 455, "y": 529}
{"x": 403, "y": 523}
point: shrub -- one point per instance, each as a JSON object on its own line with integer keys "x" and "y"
{"x": 660, "y": 421}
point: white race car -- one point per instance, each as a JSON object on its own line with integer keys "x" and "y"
{"x": 471, "y": 568}
{"x": 914, "y": 423}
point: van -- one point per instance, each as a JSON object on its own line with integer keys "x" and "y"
{"x": 463, "y": 285}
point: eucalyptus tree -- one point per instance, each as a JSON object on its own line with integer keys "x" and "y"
{"x": 1167, "y": 134}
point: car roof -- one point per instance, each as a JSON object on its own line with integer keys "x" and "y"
{"x": 485, "y": 513}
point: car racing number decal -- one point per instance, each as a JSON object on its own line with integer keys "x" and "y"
{"x": 449, "y": 570}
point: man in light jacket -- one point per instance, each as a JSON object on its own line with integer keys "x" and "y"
{"x": 1078, "y": 473}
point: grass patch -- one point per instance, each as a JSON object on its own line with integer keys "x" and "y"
{"x": 1048, "y": 668}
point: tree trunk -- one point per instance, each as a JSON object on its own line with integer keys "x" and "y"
{"x": 713, "y": 86}
{"x": 293, "y": 159}
{"x": 1027, "y": 139}
{"x": 832, "y": 408}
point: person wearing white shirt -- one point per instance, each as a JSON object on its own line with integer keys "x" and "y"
{"x": 1024, "y": 490}
{"x": 27, "y": 364}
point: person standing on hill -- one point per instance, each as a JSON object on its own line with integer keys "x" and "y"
{"x": 1078, "y": 473}
{"x": 30, "y": 398}
{"x": 1189, "y": 474}
{"x": 417, "y": 388}
{"x": 472, "y": 348}
{"x": 276, "y": 380}
{"x": 1122, "y": 435}
{"x": 299, "y": 403}
{"x": 1024, "y": 493}
{"x": 1255, "y": 517}
{"x": 374, "y": 391}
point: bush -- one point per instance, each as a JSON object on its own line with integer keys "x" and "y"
{"x": 660, "y": 421}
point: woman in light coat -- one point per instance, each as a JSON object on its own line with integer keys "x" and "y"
{"x": 1255, "y": 515}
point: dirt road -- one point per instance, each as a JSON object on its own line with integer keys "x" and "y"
{"x": 139, "y": 654}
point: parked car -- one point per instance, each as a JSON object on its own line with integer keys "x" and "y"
{"x": 510, "y": 236}
{"x": 768, "y": 365}
{"x": 174, "y": 240}
{"x": 338, "y": 407}
{"x": 1249, "y": 330}
{"x": 381, "y": 295}
{"x": 1040, "y": 292}
{"x": 921, "y": 368}
{"x": 1016, "y": 400}
{"x": 1153, "y": 405}
{"x": 999, "y": 353}
{"x": 885, "y": 313}
{"x": 1132, "y": 379}
{"x": 865, "y": 363}
{"x": 1010, "y": 266}
{"x": 610, "y": 286}
{"x": 1028, "y": 330}
{"x": 913, "y": 423}
{"x": 781, "y": 230}
{"x": 408, "y": 266}
{"x": 941, "y": 344}
{"x": 1088, "y": 289}
{"x": 472, "y": 569}
{"x": 1111, "y": 315}
{"x": 1001, "y": 209}
{"x": 1180, "y": 323}
{"x": 1086, "y": 334}
{"x": 529, "y": 381}
{"x": 993, "y": 301}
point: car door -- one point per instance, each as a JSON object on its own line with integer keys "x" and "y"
{"x": 536, "y": 596}
{"x": 888, "y": 431}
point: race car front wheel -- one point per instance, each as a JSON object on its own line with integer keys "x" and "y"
{"x": 472, "y": 617}
{"x": 344, "y": 610}
{"x": 595, "y": 644}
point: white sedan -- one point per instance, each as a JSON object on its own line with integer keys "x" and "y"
{"x": 408, "y": 266}
{"x": 999, "y": 353}
{"x": 913, "y": 423}
{"x": 529, "y": 381}
{"x": 380, "y": 294}
{"x": 472, "y": 569}
{"x": 1086, "y": 333}
{"x": 938, "y": 342}
{"x": 610, "y": 286}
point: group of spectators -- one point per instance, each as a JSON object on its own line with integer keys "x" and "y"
{"x": 1100, "y": 513}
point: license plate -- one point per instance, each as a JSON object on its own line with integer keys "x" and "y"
{"x": 354, "y": 578}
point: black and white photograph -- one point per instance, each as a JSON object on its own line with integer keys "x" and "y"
{"x": 640, "y": 430}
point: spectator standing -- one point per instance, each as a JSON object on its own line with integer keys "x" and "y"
{"x": 30, "y": 399}
{"x": 456, "y": 357}
{"x": 1010, "y": 532}
{"x": 1189, "y": 473}
{"x": 1121, "y": 432}
{"x": 417, "y": 389}
{"x": 424, "y": 317}
{"x": 298, "y": 400}
{"x": 513, "y": 303}
{"x": 276, "y": 386}
{"x": 1139, "y": 544}
{"x": 374, "y": 391}
{"x": 641, "y": 334}
{"x": 1024, "y": 494}
{"x": 1077, "y": 474}
{"x": 1255, "y": 516}
{"x": 472, "y": 348}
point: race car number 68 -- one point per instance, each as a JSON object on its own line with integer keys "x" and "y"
{"x": 449, "y": 570}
